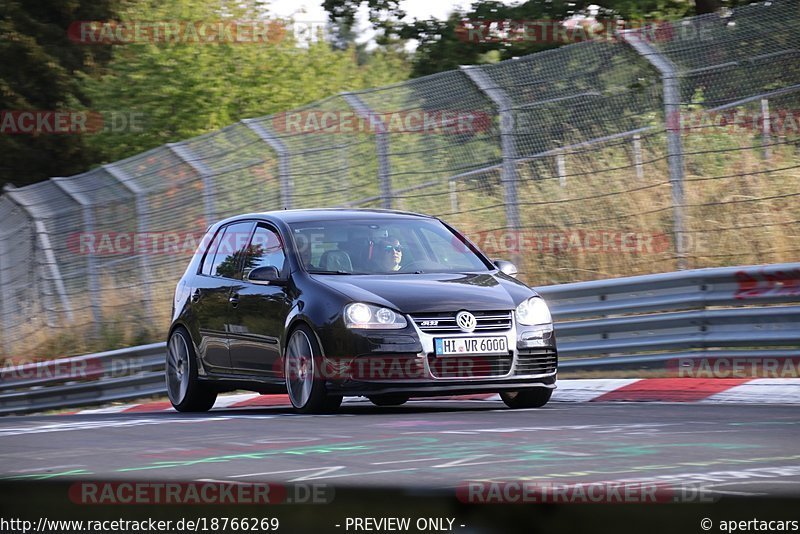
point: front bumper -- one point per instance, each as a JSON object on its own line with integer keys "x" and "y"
{"x": 436, "y": 388}
{"x": 404, "y": 362}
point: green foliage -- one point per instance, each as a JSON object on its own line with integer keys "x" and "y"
{"x": 38, "y": 65}
{"x": 183, "y": 90}
{"x": 383, "y": 14}
{"x": 229, "y": 267}
{"x": 444, "y": 44}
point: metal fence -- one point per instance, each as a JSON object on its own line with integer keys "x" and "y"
{"x": 747, "y": 318}
{"x": 648, "y": 152}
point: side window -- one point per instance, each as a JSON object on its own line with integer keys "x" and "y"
{"x": 446, "y": 251}
{"x": 208, "y": 261}
{"x": 265, "y": 249}
{"x": 232, "y": 247}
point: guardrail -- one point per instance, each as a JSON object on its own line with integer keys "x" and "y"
{"x": 91, "y": 379}
{"x": 622, "y": 323}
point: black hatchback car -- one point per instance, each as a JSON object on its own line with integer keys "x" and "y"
{"x": 322, "y": 304}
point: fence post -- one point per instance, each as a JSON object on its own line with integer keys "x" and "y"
{"x": 207, "y": 175}
{"x": 344, "y": 165}
{"x": 508, "y": 145}
{"x": 381, "y": 144}
{"x": 637, "y": 156}
{"x": 561, "y": 165}
{"x": 142, "y": 226}
{"x": 766, "y": 128}
{"x": 92, "y": 276}
{"x": 284, "y": 169}
{"x": 40, "y": 284}
{"x": 453, "y": 195}
{"x": 44, "y": 241}
{"x": 672, "y": 114}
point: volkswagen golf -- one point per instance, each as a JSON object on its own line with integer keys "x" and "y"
{"x": 322, "y": 304}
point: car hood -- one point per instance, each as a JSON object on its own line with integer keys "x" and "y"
{"x": 432, "y": 292}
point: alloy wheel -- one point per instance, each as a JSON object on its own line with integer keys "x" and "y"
{"x": 177, "y": 368}
{"x": 299, "y": 369}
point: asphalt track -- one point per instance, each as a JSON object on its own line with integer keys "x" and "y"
{"x": 734, "y": 450}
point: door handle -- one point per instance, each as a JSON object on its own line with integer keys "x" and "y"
{"x": 234, "y": 299}
{"x": 196, "y": 295}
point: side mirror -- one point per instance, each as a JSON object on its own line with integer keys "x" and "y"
{"x": 506, "y": 267}
{"x": 264, "y": 276}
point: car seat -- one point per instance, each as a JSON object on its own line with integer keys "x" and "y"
{"x": 336, "y": 260}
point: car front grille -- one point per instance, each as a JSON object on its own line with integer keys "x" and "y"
{"x": 469, "y": 366}
{"x": 445, "y": 322}
{"x": 536, "y": 361}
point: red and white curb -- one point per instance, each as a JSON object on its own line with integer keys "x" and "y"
{"x": 711, "y": 390}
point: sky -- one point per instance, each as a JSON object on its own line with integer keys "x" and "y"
{"x": 310, "y": 11}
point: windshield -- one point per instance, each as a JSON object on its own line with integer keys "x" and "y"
{"x": 383, "y": 246}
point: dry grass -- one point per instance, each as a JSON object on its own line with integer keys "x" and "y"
{"x": 125, "y": 322}
{"x": 738, "y": 211}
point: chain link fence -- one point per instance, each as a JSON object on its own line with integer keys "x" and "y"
{"x": 651, "y": 151}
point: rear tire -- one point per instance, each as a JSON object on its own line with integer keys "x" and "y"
{"x": 303, "y": 369}
{"x": 185, "y": 390}
{"x": 527, "y": 398}
{"x": 388, "y": 400}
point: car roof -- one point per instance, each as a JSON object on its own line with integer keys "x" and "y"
{"x": 329, "y": 214}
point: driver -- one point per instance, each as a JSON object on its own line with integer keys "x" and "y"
{"x": 388, "y": 254}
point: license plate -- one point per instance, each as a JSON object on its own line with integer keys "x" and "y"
{"x": 470, "y": 345}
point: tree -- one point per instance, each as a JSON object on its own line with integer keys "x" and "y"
{"x": 384, "y": 15}
{"x": 185, "y": 89}
{"x": 447, "y": 44}
{"x": 38, "y": 69}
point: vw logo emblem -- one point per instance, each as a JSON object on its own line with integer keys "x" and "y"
{"x": 466, "y": 321}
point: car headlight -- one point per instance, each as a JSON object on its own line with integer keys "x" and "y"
{"x": 360, "y": 315}
{"x": 533, "y": 311}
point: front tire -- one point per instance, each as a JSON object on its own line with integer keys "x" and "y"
{"x": 303, "y": 369}
{"x": 186, "y": 392}
{"x": 527, "y": 398}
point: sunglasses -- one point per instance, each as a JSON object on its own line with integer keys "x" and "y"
{"x": 396, "y": 248}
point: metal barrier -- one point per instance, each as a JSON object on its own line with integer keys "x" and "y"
{"x": 634, "y": 322}
{"x": 721, "y": 312}
{"x": 87, "y": 380}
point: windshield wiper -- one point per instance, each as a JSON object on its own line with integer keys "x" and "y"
{"x": 317, "y": 271}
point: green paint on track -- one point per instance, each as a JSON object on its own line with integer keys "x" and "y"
{"x": 47, "y": 476}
